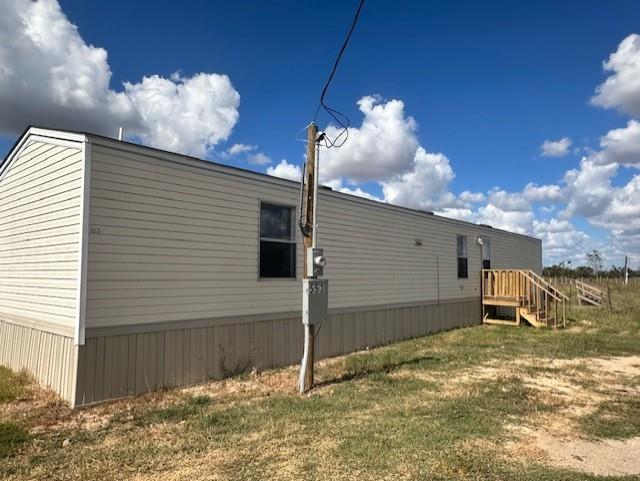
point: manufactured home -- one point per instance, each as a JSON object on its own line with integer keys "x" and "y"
{"x": 125, "y": 269}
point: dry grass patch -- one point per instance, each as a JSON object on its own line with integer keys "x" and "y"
{"x": 477, "y": 403}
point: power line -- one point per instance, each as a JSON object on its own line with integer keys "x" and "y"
{"x": 335, "y": 114}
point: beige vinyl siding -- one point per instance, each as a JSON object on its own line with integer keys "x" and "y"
{"x": 516, "y": 252}
{"x": 374, "y": 259}
{"x": 177, "y": 239}
{"x": 40, "y": 203}
{"x": 173, "y": 242}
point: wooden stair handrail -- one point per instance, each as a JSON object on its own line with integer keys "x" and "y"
{"x": 556, "y": 298}
{"x": 543, "y": 288}
{"x": 541, "y": 279}
{"x": 525, "y": 274}
{"x": 588, "y": 287}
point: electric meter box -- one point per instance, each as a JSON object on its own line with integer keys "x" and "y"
{"x": 315, "y": 300}
{"x": 316, "y": 262}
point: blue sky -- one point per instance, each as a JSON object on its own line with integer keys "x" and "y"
{"x": 485, "y": 82}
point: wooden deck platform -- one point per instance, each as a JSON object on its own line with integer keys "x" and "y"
{"x": 525, "y": 294}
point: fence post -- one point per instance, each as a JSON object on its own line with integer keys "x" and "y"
{"x": 570, "y": 291}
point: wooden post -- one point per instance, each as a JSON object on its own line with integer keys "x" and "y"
{"x": 578, "y": 293}
{"x": 570, "y": 291}
{"x": 625, "y": 274}
{"x": 308, "y": 360}
{"x": 609, "y": 296}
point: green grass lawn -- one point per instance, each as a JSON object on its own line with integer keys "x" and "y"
{"x": 452, "y": 406}
{"x": 11, "y": 384}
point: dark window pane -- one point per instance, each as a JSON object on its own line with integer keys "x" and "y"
{"x": 275, "y": 221}
{"x": 486, "y": 248}
{"x": 462, "y": 267}
{"x": 461, "y": 245}
{"x": 486, "y": 263}
{"x": 277, "y": 259}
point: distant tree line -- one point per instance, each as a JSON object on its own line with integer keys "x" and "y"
{"x": 594, "y": 269}
{"x": 560, "y": 270}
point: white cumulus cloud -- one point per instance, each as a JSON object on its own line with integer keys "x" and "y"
{"x": 337, "y": 185}
{"x": 468, "y": 197}
{"x": 259, "y": 159}
{"x": 556, "y": 148}
{"x": 459, "y": 213}
{"x": 561, "y": 240}
{"x": 507, "y": 210}
{"x": 542, "y": 193}
{"x": 285, "y": 170}
{"x": 358, "y": 192}
{"x": 622, "y": 216}
{"x": 236, "y": 149}
{"x": 588, "y": 188}
{"x": 621, "y": 89}
{"x": 384, "y": 145}
{"x": 424, "y": 185}
{"x": 621, "y": 146}
{"x": 50, "y": 76}
{"x": 188, "y": 115}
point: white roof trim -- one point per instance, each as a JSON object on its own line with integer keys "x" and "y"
{"x": 56, "y": 137}
{"x": 57, "y": 134}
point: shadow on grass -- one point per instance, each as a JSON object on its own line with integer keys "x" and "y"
{"x": 183, "y": 410}
{"x": 613, "y": 419}
{"x": 361, "y": 365}
{"x": 12, "y": 384}
{"x": 12, "y": 437}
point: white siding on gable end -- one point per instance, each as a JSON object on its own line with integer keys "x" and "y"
{"x": 40, "y": 203}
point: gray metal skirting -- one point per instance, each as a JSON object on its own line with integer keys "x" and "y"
{"x": 50, "y": 358}
{"x": 120, "y": 365}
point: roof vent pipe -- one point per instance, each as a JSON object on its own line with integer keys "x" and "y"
{"x": 120, "y": 133}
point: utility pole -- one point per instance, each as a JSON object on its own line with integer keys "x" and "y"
{"x": 626, "y": 270}
{"x": 310, "y": 190}
{"x": 315, "y": 292}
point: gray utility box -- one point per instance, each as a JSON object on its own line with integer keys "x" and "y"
{"x": 315, "y": 300}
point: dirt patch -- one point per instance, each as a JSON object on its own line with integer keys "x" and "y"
{"x": 622, "y": 366}
{"x": 576, "y": 388}
{"x": 607, "y": 457}
{"x": 552, "y": 438}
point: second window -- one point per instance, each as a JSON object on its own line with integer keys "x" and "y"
{"x": 461, "y": 246}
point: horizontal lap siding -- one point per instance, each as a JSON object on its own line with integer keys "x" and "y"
{"x": 171, "y": 242}
{"x": 40, "y": 202}
{"x": 178, "y": 240}
{"x": 373, "y": 257}
{"x": 517, "y": 253}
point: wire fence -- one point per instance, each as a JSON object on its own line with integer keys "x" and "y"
{"x": 560, "y": 282}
